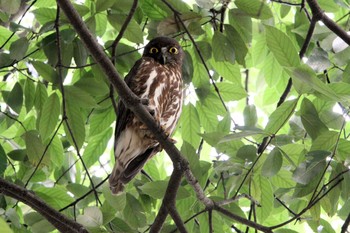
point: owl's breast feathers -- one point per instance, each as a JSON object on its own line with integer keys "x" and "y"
{"x": 162, "y": 86}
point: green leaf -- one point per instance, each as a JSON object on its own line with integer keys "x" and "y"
{"x": 134, "y": 214}
{"x": 5, "y": 34}
{"x": 10, "y": 6}
{"x": 307, "y": 79}
{"x": 57, "y": 152}
{"x": 40, "y": 96}
{"x": 100, "y": 120}
{"x": 247, "y": 153}
{"x": 207, "y": 118}
{"x": 35, "y": 148}
{"x": 79, "y": 97}
{"x": 262, "y": 192}
{"x": 80, "y": 53}
{"x": 29, "y": 94}
{"x": 154, "y": 9}
{"x": 118, "y": 202}
{"x": 237, "y": 42}
{"x": 255, "y": 8}
{"x": 17, "y": 155}
{"x": 50, "y": 49}
{"x": 311, "y": 168}
{"x": 282, "y": 47}
{"x": 189, "y": 152}
{"x": 230, "y": 92}
{"x": 240, "y": 135}
{"x": 310, "y": 119}
{"x": 102, "y": 5}
{"x": 15, "y": 98}
{"x": 133, "y": 32}
{"x": 19, "y": 48}
{"x": 228, "y": 71}
{"x": 75, "y": 129}
{"x": 327, "y": 140}
{"x": 342, "y": 149}
{"x": 190, "y": 125}
{"x": 4, "y": 227}
{"x": 156, "y": 189}
{"x": 222, "y": 48}
{"x": 273, "y": 163}
{"x": 250, "y": 116}
{"x": 92, "y": 217}
{"x": 44, "y": 14}
{"x": 56, "y": 197}
{"x": 272, "y": 71}
{"x": 46, "y": 71}
{"x": 120, "y": 226}
{"x": 49, "y": 116}
{"x": 3, "y": 161}
{"x": 281, "y": 116}
{"x": 96, "y": 146}
{"x": 206, "y": 50}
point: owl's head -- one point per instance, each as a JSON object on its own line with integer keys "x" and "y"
{"x": 164, "y": 50}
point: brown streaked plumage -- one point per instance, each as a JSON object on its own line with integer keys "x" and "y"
{"x": 156, "y": 77}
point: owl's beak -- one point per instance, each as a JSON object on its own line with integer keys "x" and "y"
{"x": 164, "y": 52}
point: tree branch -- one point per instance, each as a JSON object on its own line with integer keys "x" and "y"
{"x": 123, "y": 28}
{"x": 320, "y": 15}
{"x": 61, "y": 222}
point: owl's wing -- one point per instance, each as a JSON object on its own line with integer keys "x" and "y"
{"x": 123, "y": 113}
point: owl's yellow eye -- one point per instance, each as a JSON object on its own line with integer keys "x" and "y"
{"x": 153, "y": 50}
{"x": 173, "y": 50}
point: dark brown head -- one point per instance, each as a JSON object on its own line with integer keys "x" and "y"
{"x": 164, "y": 50}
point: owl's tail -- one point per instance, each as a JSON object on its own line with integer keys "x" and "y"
{"x": 121, "y": 175}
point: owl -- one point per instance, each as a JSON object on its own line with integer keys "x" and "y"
{"x": 156, "y": 78}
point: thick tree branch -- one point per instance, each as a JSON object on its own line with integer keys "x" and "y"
{"x": 61, "y": 222}
{"x": 169, "y": 199}
{"x": 320, "y": 15}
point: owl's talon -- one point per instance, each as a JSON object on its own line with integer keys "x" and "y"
{"x": 144, "y": 101}
{"x": 172, "y": 140}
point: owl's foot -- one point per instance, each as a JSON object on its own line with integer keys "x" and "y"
{"x": 145, "y": 102}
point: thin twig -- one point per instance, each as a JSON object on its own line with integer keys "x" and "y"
{"x": 177, "y": 15}
{"x": 123, "y": 28}
{"x": 85, "y": 195}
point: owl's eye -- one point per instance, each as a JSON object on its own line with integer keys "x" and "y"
{"x": 173, "y": 50}
{"x": 153, "y": 50}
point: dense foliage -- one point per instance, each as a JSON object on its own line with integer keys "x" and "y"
{"x": 264, "y": 124}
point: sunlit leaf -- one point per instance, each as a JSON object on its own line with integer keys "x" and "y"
{"x": 282, "y": 47}
{"x": 190, "y": 125}
{"x": 92, "y": 217}
{"x": 96, "y": 147}
{"x": 255, "y": 8}
{"x": 281, "y": 116}
{"x": 4, "y": 227}
{"x": 49, "y": 116}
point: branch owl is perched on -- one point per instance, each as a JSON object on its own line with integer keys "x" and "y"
{"x": 156, "y": 77}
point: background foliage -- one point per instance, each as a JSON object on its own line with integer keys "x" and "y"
{"x": 273, "y": 155}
